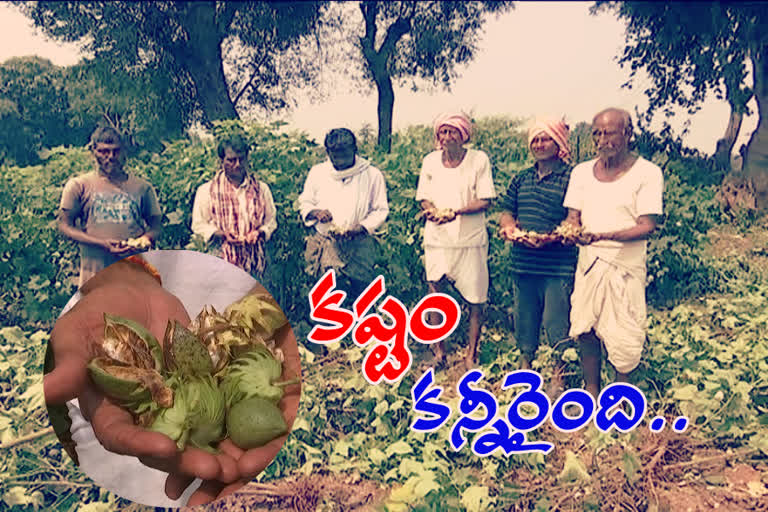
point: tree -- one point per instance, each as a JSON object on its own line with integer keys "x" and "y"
{"x": 690, "y": 49}
{"x": 33, "y": 108}
{"x": 417, "y": 39}
{"x": 136, "y": 106}
{"x": 187, "y": 40}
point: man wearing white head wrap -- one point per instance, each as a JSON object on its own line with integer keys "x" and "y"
{"x": 543, "y": 273}
{"x": 617, "y": 197}
{"x": 458, "y": 182}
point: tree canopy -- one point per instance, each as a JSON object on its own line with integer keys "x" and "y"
{"x": 33, "y": 108}
{"x": 425, "y": 40}
{"x": 690, "y": 49}
{"x": 43, "y": 105}
{"x": 188, "y": 40}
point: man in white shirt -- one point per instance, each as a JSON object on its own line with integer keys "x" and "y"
{"x": 457, "y": 181}
{"x": 345, "y": 200}
{"x": 617, "y": 197}
{"x": 235, "y": 208}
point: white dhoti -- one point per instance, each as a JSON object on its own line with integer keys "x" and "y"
{"x": 465, "y": 267}
{"x": 610, "y": 298}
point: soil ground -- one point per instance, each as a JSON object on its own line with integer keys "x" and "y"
{"x": 674, "y": 472}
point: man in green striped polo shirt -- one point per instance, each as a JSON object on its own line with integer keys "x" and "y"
{"x": 543, "y": 271}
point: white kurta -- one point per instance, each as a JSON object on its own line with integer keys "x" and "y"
{"x": 458, "y": 249}
{"x": 202, "y": 216}
{"x": 609, "y": 285}
{"x": 359, "y": 199}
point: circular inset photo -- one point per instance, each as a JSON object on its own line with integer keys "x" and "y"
{"x": 177, "y": 369}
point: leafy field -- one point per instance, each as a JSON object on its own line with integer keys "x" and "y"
{"x": 352, "y": 447}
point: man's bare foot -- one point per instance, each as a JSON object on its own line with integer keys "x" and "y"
{"x": 469, "y": 362}
{"x": 525, "y": 363}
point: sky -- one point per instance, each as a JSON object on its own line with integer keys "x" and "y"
{"x": 542, "y": 58}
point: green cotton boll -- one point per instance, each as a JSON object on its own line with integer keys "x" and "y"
{"x": 253, "y": 374}
{"x": 197, "y": 416}
{"x": 257, "y": 313}
{"x": 254, "y": 422}
{"x": 172, "y": 421}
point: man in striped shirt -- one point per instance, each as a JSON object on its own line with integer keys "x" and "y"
{"x": 543, "y": 272}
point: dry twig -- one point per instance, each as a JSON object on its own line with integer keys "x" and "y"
{"x": 28, "y": 437}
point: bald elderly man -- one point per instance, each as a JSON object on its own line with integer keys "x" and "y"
{"x": 618, "y": 198}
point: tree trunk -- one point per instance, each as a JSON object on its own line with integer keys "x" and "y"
{"x": 386, "y": 102}
{"x": 725, "y": 145}
{"x": 376, "y": 61}
{"x": 208, "y": 76}
{"x": 756, "y": 157}
{"x": 201, "y": 58}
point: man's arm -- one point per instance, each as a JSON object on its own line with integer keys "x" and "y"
{"x": 507, "y": 220}
{"x": 426, "y": 204}
{"x": 66, "y": 225}
{"x": 474, "y": 206}
{"x": 270, "y": 213}
{"x": 202, "y": 220}
{"x": 309, "y": 209}
{"x": 484, "y": 190}
{"x": 379, "y": 206}
{"x": 574, "y": 217}
{"x": 646, "y": 224}
{"x": 152, "y": 214}
{"x": 154, "y": 225}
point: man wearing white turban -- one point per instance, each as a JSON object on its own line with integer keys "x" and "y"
{"x": 455, "y": 188}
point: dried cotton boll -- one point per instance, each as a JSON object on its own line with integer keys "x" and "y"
{"x": 184, "y": 352}
{"x": 138, "y": 243}
{"x": 258, "y": 314}
{"x": 129, "y": 365}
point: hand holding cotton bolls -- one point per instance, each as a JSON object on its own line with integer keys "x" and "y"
{"x": 140, "y": 393}
{"x": 256, "y": 362}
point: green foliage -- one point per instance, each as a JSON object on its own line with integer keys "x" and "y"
{"x": 692, "y": 51}
{"x": 428, "y": 40}
{"x": 678, "y": 265}
{"x": 704, "y": 48}
{"x": 38, "y": 268}
{"x": 137, "y": 106}
{"x": 44, "y": 106}
{"x": 37, "y": 474}
{"x": 33, "y": 108}
{"x": 705, "y": 358}
{"x": 185, "y": 40}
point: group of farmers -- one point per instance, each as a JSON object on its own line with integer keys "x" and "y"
{"x": 593, "y": 292}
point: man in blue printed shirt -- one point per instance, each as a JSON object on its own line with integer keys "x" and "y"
{"x": 103, "y": 209}
{"x": 542, "y": 271}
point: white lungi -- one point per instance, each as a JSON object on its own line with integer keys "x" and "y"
{"x": 465, "y": 267}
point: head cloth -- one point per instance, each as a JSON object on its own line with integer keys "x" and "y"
{"x": 557, "y": 129}
{"x": 456, "y": 120}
